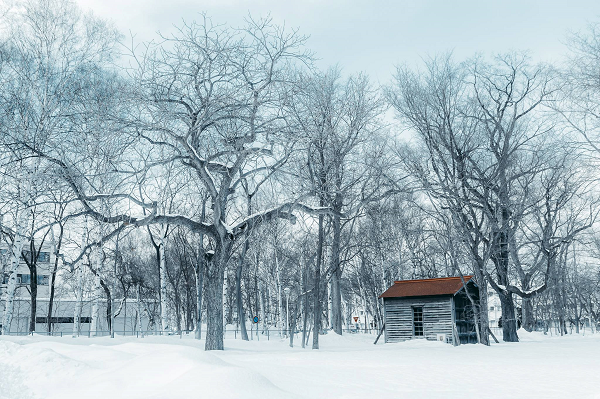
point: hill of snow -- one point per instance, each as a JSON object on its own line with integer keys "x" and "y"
{"x": 346, "y": 367}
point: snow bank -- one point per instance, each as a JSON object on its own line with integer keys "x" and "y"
{"x": 11, "y": 376}
{"x": 345, "y": 367}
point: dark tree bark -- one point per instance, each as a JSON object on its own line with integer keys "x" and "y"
{"x": 336, "y": 292}
{"x": 317, "y": 286}
{"x": 109, "y": 318}
{"x": 214, "y": 295}
{"x": 53, "y": 275}
{"x": 238, "y": 276}
{"x": 31, "y": 260}
{"x": 33, "y": 289}
{"x": 500, "y": 257}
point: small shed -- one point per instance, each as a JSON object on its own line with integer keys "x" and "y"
{"x": 433, "y": 309}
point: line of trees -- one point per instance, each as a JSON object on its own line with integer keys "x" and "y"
{"x": 216, "y": 174}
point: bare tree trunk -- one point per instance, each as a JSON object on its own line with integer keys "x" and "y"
{"x": 238, "y": 294}
{"x": 56, "y": 247}
{"x": 96, "y": 293}
{"x": 336, "y": 292}
{"x": 509, "y": 322}
{"x": 162, "y": 265}
{"x": 139, "y": 311}
{"x": 33, "y": 289}
{"x": 280, "y": 313}
{"x": 214, "y": 309}
{"x": 527, "y": 314}
{"x": 199, "y": 284}
{"x": 200, "y": 271}
{"x": 293, "y": 325}
{"x": 213, "y": 288}
{"x": 78, "y": 302}
{"x": 484, "y": 321}
{"x": 11, "y": 288}
{"x": 224, "y": 294}
{"x": 33, "y": 283}
{"x": 238, "y": 278}
{"x": 317, "y": 293}
{"x": 336, "y": 302}
{"x": 304, "y": 299}
{"x": 263, "y": 313}
{"x": 109, "y": 308}
{"x": 500, "y": 256}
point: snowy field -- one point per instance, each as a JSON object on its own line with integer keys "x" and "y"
{"x": 346, "y": 367}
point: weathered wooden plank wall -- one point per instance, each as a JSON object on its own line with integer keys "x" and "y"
{"x": 437, "y": 317}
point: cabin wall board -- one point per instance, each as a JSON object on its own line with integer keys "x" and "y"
{"x": 437, "y": 317}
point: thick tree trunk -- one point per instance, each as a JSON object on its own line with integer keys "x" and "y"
{"x": 214, "y": 283}
{"x": 109, "y": 308}
{"x": 527, "y": 313}
{"x": 509, "y": 321}
{"x": 484, "y": 321}
{"x": 500, "y": 256}
{"x": 336, "y": 302}
{"x": 482, "y": 310}
{"x": 214, "y": 310}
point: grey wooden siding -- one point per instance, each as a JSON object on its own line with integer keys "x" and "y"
{"x": 437, "y": 317}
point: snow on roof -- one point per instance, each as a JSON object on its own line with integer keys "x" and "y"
{"x": 432, "y": 286}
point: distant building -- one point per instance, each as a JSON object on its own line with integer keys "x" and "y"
{"x": 63, "y": 308}
{"x": 432, "y": 309}
{"x": 22, "y": 306}
{"x": 44, "y": 261}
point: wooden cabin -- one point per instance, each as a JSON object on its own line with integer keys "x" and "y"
{"x": 432, "y": 309}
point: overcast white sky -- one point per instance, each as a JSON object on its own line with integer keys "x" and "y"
{"x": 373, "y": 36}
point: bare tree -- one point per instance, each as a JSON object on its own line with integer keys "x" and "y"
{"x": 484, "y": 140}
{"x": 336, "y": 118}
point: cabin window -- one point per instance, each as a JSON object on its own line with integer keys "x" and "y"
{"x": 417, "y": 321}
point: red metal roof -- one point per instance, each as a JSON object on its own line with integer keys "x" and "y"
{"x": 432, "y": 286}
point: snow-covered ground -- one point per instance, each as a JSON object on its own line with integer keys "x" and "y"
{"x": 345, "y": 367}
